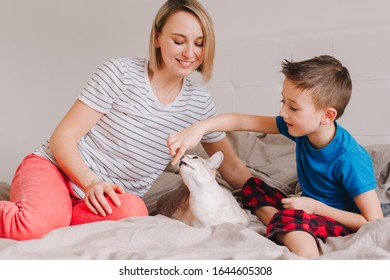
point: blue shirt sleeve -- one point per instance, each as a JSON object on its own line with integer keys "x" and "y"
{"x": 283, "y": 129}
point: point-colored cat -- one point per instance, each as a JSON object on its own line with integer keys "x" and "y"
{"x": 201, "y": 201}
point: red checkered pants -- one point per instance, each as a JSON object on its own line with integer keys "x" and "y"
{"x": 256, "y": 193}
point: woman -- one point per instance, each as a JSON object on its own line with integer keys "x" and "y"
{"x": 111, "y": 145}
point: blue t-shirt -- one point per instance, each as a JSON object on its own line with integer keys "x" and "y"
{"x": 334, "y": 174}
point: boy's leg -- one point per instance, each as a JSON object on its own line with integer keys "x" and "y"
{"x": 263, "y": 200}
{"x": 300, "y": 243}
{"x": 265, "y": 214}
{"x": 39, "y": 201}
{"x": 297, "y": 229}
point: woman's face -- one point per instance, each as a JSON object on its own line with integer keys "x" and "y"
{"x": 181, "y": 44}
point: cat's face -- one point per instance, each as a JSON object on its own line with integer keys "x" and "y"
{"x": 195, "y": 170}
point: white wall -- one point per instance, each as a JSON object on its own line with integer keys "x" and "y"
{"x": 50, "y": 48}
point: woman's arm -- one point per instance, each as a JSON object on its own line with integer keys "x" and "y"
{"x": 232, "y": 169}
{"x": 178, "y": 143}
{"x": 63, "y": 144}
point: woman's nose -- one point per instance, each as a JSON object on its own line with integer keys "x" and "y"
{"x": 188, "y": 50}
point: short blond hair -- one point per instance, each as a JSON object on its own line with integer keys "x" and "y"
{"x": 326, "y": 77}
{"x": 193, "y": 7}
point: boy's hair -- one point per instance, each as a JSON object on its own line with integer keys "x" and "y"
{"x": 328, "y": 79}
{"x": 195, "y": 8}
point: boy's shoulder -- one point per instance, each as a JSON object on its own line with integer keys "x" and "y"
{"x": 347, "y": 142}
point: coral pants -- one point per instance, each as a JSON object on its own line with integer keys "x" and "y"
{"x": 40, "y": 202}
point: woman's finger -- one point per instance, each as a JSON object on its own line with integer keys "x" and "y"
{"x": 91, "y": 207}
{"x": 96, "y": 204}
{"x": 178, "y": 156}
{"x": 102, "y": 201}
{"x": 113, "y": 196}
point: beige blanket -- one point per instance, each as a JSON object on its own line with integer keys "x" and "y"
{"x": 157, "y": 237}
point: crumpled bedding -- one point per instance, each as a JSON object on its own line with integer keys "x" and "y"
{"x": 270, "y": 157}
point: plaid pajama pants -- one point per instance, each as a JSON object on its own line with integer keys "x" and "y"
{"x": 256, "y": 193}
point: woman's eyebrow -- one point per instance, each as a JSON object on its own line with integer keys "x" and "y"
{"x": 184, "y": 36}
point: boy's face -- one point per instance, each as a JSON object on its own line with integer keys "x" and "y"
{"x": 298, "y": 110}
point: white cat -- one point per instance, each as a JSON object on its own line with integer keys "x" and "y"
{"x": 201, "y": 201}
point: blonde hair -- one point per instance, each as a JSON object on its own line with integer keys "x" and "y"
{"x": 328, "y": 79}
{"x": 193, "y": 7}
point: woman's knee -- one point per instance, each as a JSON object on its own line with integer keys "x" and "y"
{"x": 131, "y": 206}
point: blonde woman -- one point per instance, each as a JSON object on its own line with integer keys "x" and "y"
{"x": 111, "y": 145}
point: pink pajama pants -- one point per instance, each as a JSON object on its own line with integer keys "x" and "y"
{"x": 40, "y": 202}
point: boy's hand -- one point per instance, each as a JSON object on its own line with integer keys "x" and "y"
{"x": 178, "y": 143}
{"x": 300, "y": 203}
{"x": 95, "y": 197}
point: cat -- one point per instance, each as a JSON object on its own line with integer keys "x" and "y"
{"x": 200, "y": 201}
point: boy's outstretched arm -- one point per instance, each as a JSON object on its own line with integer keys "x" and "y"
{"x": 179, "y": 142}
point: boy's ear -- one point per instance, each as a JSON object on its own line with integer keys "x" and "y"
{"x": 329, "y": 116}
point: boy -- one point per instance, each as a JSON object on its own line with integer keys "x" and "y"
{"x": 334, "y": 171}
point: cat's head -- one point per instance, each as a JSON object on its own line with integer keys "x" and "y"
{"x": 194, "y": 169}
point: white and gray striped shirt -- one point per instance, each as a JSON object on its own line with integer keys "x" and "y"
{"x": 127, "y": 146}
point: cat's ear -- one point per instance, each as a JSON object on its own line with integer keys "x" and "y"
{"x": 215, "y": 160}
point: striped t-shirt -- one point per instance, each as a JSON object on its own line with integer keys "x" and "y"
{"x": 127, "y": 146}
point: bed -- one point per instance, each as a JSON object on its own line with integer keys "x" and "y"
{"x": 157, "y": 237}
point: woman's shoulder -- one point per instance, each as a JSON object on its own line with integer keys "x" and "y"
{"x": 195, "y": 86}
{"x": 127, "y": 62}
{"x": 125, "y": 68}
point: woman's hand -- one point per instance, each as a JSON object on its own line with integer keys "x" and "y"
{"x": 179, "y": 142}
{"x": 96, "y": 197}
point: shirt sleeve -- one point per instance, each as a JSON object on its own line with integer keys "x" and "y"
{"x": 283, "y": 129}
{"x": 357, "y": 173}
{"x": 210, "y": 111}
{"x": 104, "y": 87}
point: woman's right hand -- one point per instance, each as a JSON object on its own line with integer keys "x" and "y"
{"x": 96, "y": 195}
{"x": 179, "y": 142}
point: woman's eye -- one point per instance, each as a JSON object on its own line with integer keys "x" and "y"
{"x": 178, "y": 43}
{"x": 293, "y": 109}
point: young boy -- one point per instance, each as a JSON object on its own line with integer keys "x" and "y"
{"x": 334, "y": 171}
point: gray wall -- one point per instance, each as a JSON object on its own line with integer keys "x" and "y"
{"x": 50, "y": 48}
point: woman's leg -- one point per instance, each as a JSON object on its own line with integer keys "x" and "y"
{"x": 39, "y": 201}
{"x": 131, "y": 205}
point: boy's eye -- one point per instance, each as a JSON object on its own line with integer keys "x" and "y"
{"x": 291, "y": 107}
